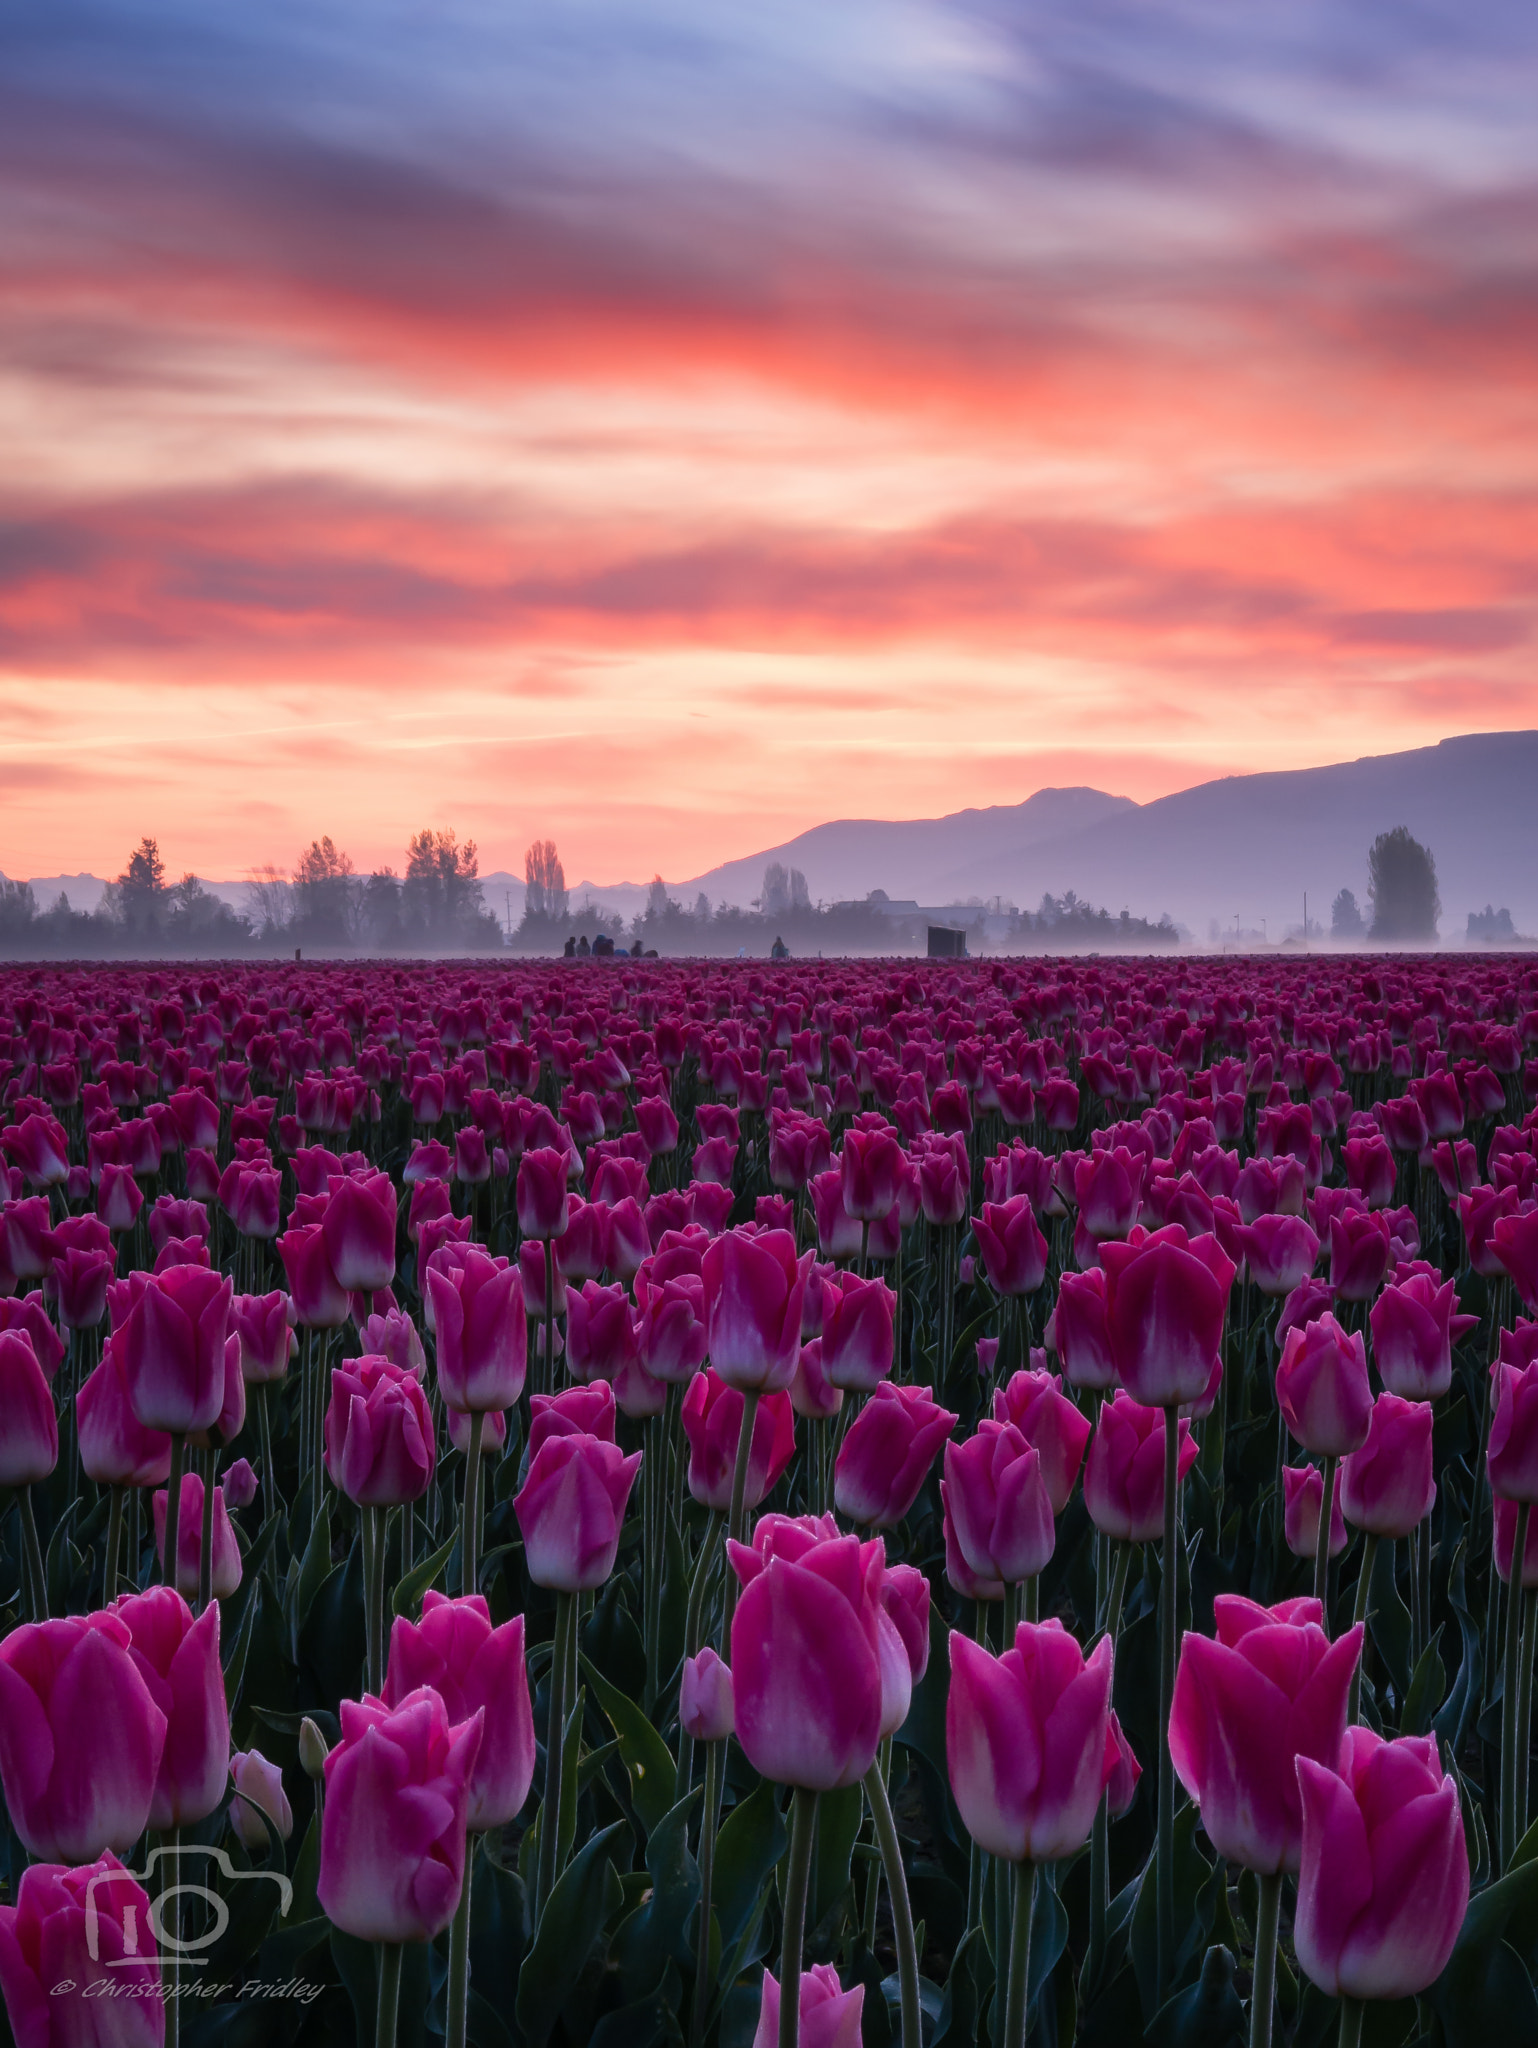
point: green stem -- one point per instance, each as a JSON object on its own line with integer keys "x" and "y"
{"x": 170, "y": 1961}
{"x": 390, "y": 1953}
{"x": 798, "y": 1873}
{"x": 1361, "y": 1613}
{"x": 1168, "y": 1624}
{"x": 114, "y": 1545}
{"x": 470, "y": 1527}
{"x": 737, "y": 1522}
{"x": 1100, "y": 1837}
{"x": 1514, "y": 1606}
{"x": 1525, "y": 1710}
{"x": 902, "y": 1910}
{"x": 173, "y": 1509}
{"x": 32, "y": 1555}
{"x": 547, "y": 1367}
{"x": 206, "y": 1538}
{"x": 459, "y": 1956}
{"x": 1263, "y": 1992}
{"x": 555, "y": 1742}
{"x": 374, "y": 1575}
{"x": 1352, "y": 2013}
{"x": 1322, "y": 1550}
{"x": 1023, "y": 1877}
{"x": 264, "y": 1439}
{"x": 704, "y": 1982}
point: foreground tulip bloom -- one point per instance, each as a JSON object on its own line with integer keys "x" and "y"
{"x": 857, "y": 1325}
{"x": 1270, "y": 1689}
{"x": 1037, "y": 1406}
{"x": 712, "y": 1419}
{"x": 81, "y": 1737}
{"x": 76, "y": 1928}
{"x": 1078, "y": 1328}
{"x": 706, "y": 1712}
{"x": 482, "y": 1331}
{"x": 806, "y": 1663}
{"x": 1164, "y": 1307}
{"x": 260, "y": 1804}
{"x": 29, "y": 1429}
{"x": 115, "y": 1447}
{"x": 1384, "y": 1880}
{"x": 1323, "y": 1389}
{"x": 753, "y": 1294}
{"x": 1414, "y": 1326}
{"x": 1387, "y": 1487}
{"x": 887, "y": 1452}
{"x": 392, "y": 1839}
{"x": 178, "y": 1659}
{"x": 475, "y": 1669}
{"x": 1124, "y": 1471}
{"x": 830, "y": 2016}
{"x": 320, "y": 1301}
{"x": 267, "y": 1340}
{"x": 541, "y": 1193}
{"x": 1280, "y": 1252}
{"x": 172, "y": 1349}
{"x": 189, "y": 1540}
{"x": 1013, "y": 1249}
{"x": 379, "y": 1433}
{"x": 1512, "y": 1455}
{"x": 359, "y": 1229}
{"x": 996, "y": 1503}
{"x": 1027, "y": 1741}
{"x": 571, "y": 1511}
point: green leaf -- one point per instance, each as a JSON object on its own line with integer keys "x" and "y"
{"x": 1208, "y": 2014}
{"x": 575, "y": 1915}
{"x": 409, "y": 1590}
{"x": 1427, "y": 1685}
{"x": 331, "y": 1640}
{"x": 314, "y": 1568}
{"x": 1485, "y": 1993}
{"x": 499, "y": 1931}
{"x": 1389, "y": 1619}
{"x": 648, "y": 2020}
{"x": 1192, "y": 1870}
{"x": 647, "y": 1759}
{"x": 839, "y": 1815}
{"x": 750, "y": 1844}
{"x": 657, "y": 1929}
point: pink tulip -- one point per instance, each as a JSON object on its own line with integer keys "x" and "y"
{"x": 1302, "y": 1505}
{"x": 1359, "y": 1254}
{"x": 482, "y": 1331}
{"x": 25, "y": 1239}
{"x": 1387, "y": 1487}
{"x": 600, "y": 1332}
{"x": 29, "y": 1429}
{"x": 1280, "y": 1251}
{"x": 1078, "y": 1329}
{"x": 1124, "y": 1471}
{"x": 1513, "y": 1449}
{"x": 392, "y": 1839}
{"x": 1384, "y": 1882}
{"x": 1164, "y": 1301}
{"x": 1506, "y": 1542}
{"x": 250, "y": 1196}
{"x": 1026, "y": 1741}
{"x": 78, "y": 1928}
{"x": 189, "y": 1539}
{"x": 575, "y": 1411}
{"x": 1323, "y": 1389}
{"x": 178, "y": 1659}
{"x": 1108, "y": 1188}
{"x": 475, "y": 1669}
{"x": 359, "y": 1227}
{"x": 1037, "y": 1406}
{"x": 1414, "y": 1326}
{"x": 119, "y": 1197}
{"x": 812, "y": 1393}
{"x": 27, "y": 1314}
{"x": 1014, "y": 1252}
{"x": 115, "y": 1447}
{"x": 80, "y": 1737}
{"x": 267, "y": 1340}
{"x": 886, "y": 1454}
{"x": 871, "y": 1165}
{"x": 81, "y": 1279}
{"x": 996, "y": 1502}
{"x": 839, "y": 1235}
{"x": 830, "y": 2016}
{"x": 40, "y": 1149}
{"x": 712, "y": 1419}
{"x": 706, "y": 1712}
{"x": 260, "y": 1805}
{"x": 1271, "y": 1688}
{"x": 807, "y": 1675}
{"x": 541, "y": 1193}
{"x": 581, "y": 1251}
{"x": 1125, "y": 1771}
{"x": 753, "y": 1293}
{"x": 944, "y": 1183}
{"x": 379, "y": 1433}
{"x": 670, "y": 1328}
{"x": 571, "y": 1511}
{"x": 320, "y": 1301}
{"x": 239, "y": 1485}
{"x": 172, "y": 1349}
{"x": 857, "y": 1325}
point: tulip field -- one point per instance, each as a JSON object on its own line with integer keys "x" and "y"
{"x": 632, "y": 1502}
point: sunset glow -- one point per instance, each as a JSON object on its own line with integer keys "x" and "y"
{"x": 664, "y": 427}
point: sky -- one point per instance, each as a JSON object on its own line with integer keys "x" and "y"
{"x": 664, "y": 426}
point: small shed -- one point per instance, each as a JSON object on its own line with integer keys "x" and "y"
{"x": 947, "y": 943}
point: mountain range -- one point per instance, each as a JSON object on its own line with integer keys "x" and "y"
{"x": 1243, "y": 850}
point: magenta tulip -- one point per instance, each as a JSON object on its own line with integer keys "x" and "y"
{"x": 857, "y": 1324}
{"x": 319, "y": 1299}
{"x": 115, "y": 1447}
{"x": 178, "y": 1659}
{"x": 1384, "y": 1882}
{"x": 575, "y": 1411}
{"x": 541, "y": 1193}
{"x": 1414, "y": 1325}
{"x": 600, "y": 1332}
{"x": 830, "y": 2015}
{"x": 1280, "y": 1252}
{"x": 1164, "y": 1304}
{"x": 1272, "y": 1687}
{"x": 571, "y": 1511}
{"x": 379, "y": 1433}
{"x": 189, "y": 1539}
{"x": 1512, "y": 1455}
{"x": 1302, "y": 1505}
{"x": 29, "y": 1428}
{"x": 172, "y": 1349}
{"x": 1026, "y": 1741}
{"x": 706, "y": 1711}
{"x": 1323, "y": 1389}
{"x": 79, "y": 1928}
{"x": 475, "y": 1669}
{"x": 482, "y": 1331}
{"x": 712, "y": 1419}
{"x": 753, "y": 1292}
{"x": 392, "y": 1839}
{"x": 887, "y": 1452}
{"x": 1037, "y": 1406}
{"x": 1014, "y": 1252}
{"x": 359, "y": 1228}
{"x": 260, "y": 1805}
{"x": 1387, "y": 1487}
{"x": 80, "y": 1737}
{"x": 1124, "y": 1471}
{"x": 267, "y": 1340}
{"x": 996, "y": 1502}
{"x": 1078, "y": 1329}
